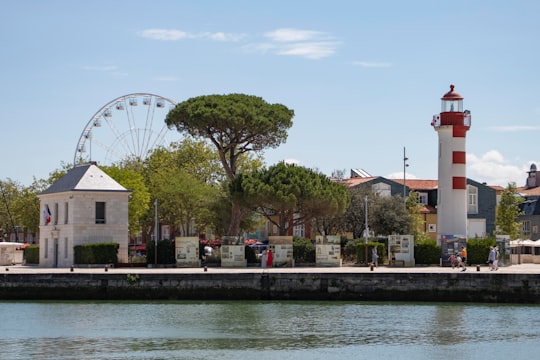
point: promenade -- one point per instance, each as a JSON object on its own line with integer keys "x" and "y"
{"x": 513, "y": 269}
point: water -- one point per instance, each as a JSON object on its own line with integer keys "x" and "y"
{"x": 266, "y": 330}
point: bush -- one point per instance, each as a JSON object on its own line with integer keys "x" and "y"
{"x": 303, "y": 250}
{"x": 360, "y": 246}
{"x": 31, "y": 254}
{"x": 478, "y": 250}
{"x": 165, "y": 252}
{"x": 427, "y": 252}
{"x": 99, "y": 253}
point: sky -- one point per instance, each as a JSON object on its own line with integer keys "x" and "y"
{"x": 364, "y": 78}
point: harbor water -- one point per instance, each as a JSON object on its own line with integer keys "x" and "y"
{"x": 267, "y": 330}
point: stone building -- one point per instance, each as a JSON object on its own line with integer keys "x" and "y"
{"x": 85, "y": 206}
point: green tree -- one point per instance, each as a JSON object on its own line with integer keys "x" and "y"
{"x": 289, "y": 195}
{"x": 236, "y": 124}
{"x": 139, "y": 201}
{"x": 416, "y": 224}
{"x": 508, "y": 212}
{"x": 185, "y": 179}
{"x": 386, "y": 215}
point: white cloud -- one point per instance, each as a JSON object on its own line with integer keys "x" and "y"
{"x": 310, "y": 50}
{"x": 399, "y": 175}
{"x": 293, "y": 35}
{"x": 368, "y": 64}
{"x": 176, "y": 35}
{"x": 493, "y": 169}
{"x": 291, "y": 162}
{"x": 295, "y": 42}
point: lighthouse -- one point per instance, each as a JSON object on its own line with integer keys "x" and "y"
{"x": 452, "y": 125}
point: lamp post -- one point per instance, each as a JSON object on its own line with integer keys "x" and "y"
{"x": 156, "y": 231}
{"x": 366, "y": 233}
{"x": 405, "y": 165}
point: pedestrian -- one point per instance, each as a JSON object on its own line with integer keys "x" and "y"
{"x": 374, "y": 256}
{"x": 264, "y": 258}
{"x": 453, "y": 261}
{"x": 270, "y": 259}
{"x": 491, "y": 258}
{"x": 463, "y": 262}
{"x": 496, "y": 261}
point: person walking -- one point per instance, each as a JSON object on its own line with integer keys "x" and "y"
{"x": 491, "y": 258}
{"x": 374, "y": 256}
{"x": 496, "y": 261}
{"x": 270, "y": 259}
{"x": 463, "y": 256}
{"x": 264, "y": 258}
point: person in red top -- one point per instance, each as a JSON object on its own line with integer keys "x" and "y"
{"x": 269, "y": 258}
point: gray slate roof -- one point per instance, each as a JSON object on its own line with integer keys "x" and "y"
{"x": 84, "y": 178}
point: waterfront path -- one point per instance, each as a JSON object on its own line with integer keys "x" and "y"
{"x": 513, "y": 269}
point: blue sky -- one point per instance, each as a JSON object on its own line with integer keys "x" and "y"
{"x": 363, "y": 77}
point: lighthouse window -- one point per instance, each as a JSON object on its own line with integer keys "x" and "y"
{"x": 472, "y": 199}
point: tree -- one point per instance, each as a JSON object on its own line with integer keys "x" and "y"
{"x": 289, "y": 195}
{"x": 139, "y": 201}
{"x": 236, "y": 124}
{"x": 386, "y": 215}
{"x": 185, "y": 179}
{"x": 508, "y": 212}
{"x": 417, "y": 223}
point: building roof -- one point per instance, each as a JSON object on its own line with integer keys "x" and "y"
{"x": 86, "y": 177}
{"x": 525, "y": 191}
{"x": 416, "y": 184}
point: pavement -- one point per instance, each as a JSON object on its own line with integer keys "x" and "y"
{"x": 513, "y": 269}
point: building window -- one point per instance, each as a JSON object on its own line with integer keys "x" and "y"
{"x": 526, "y": 228}
{"x": 382, "y": 189}
{"x": 298, "y": 230}
{"x": 66, "y": 216}
{"x": 100, "y": 212}
{"x": 423, "y": 198}
{"x": 472, "y": 199}
{"x": 535, "y": 229}
{"x": 432, "y": 228}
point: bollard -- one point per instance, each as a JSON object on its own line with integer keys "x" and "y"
{"x": 371, "y": 267}
{"x": 71, "y": 269}
{"x": 205, "y": 269}
{"x": 477, "y": 267}
{"x": 106, "y": 268}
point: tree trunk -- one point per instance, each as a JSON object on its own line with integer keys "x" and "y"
{"x": 236, "y": 218}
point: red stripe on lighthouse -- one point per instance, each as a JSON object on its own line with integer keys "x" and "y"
{"x": 458, "y": 157}
{"x": 459, "y": 183}
{"x": 459, "y": 131}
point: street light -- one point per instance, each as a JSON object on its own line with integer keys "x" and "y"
{"x": 366, "y": 233}
{"x": 156, "y": 232}
{"x": 405, "y": 165}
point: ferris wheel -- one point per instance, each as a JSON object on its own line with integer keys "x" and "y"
{"x": 127, "y": 127}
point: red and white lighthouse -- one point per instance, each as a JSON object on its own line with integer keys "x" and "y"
{"x": 452, "y": 125}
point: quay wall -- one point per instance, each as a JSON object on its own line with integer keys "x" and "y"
{"x": 461, "y": 287}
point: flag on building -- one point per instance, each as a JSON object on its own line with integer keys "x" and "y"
{"x": 47, "y": 215}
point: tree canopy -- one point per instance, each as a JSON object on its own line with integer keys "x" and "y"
{"x": 289, "y": 195}
{"x": 235, "y": 124}
{"x": 508, "y": 212}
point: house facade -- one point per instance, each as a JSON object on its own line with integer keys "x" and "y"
{"x": 530, "y": 220}
{"x": 85, "y": 206}
{"x": 481, "y": 201}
